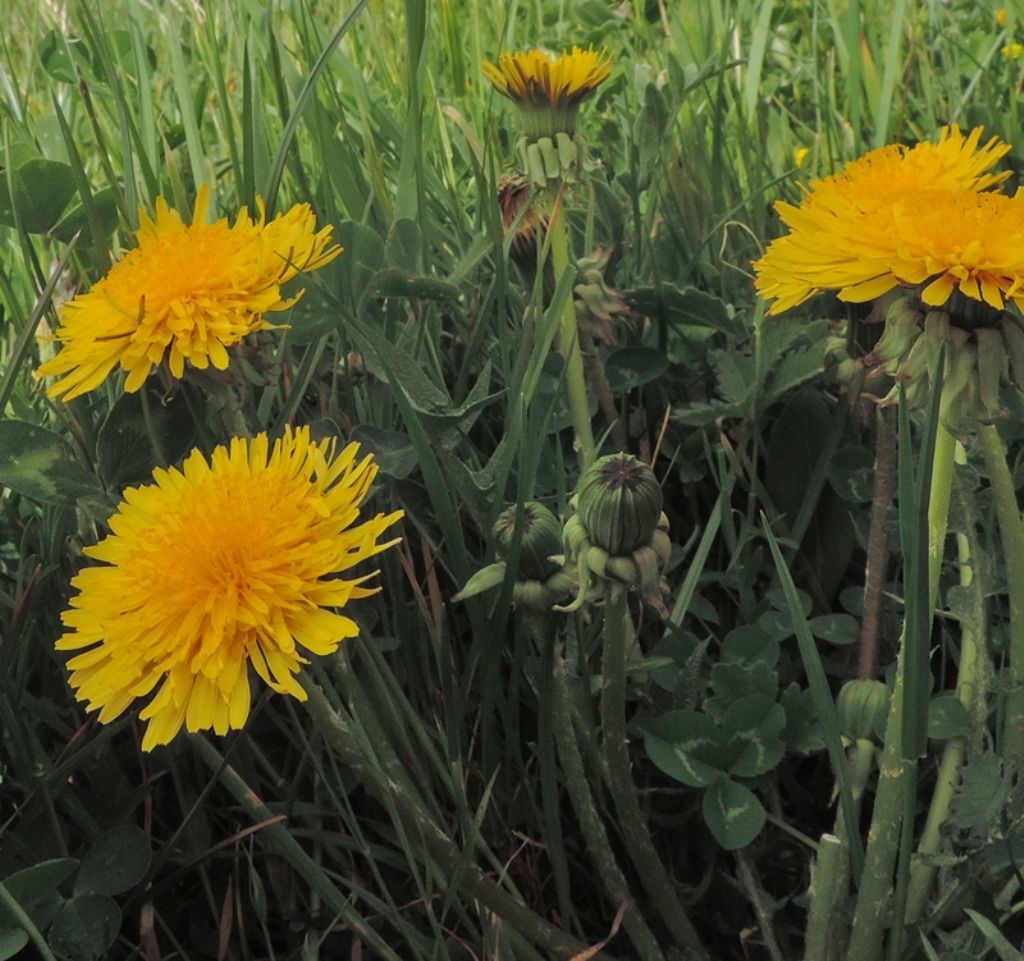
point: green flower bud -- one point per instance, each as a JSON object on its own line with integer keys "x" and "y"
{"x": 542, "y": 537}
{"x": 619, "y": 503}
{"x": 862, "y": 707}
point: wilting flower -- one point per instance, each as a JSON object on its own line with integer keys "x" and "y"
{"x": 520, "y": 211}
{"x": 219, "y": 565}
{"x": 186, "y": 293}
{"x": 549, "y": 90}
{"x": 896, "y": 216}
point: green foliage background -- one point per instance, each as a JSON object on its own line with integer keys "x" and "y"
{"x": 426, "y": 344}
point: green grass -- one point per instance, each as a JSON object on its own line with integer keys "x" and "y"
{"x": 428, "y": 344}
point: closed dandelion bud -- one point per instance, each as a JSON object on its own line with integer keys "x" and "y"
{"x": 619, "y": 503}
{"x": 863, "y": 706}
{"x": 541, "y": 538}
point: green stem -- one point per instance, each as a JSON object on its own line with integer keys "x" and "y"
{"x": 445, "y": 852}
{"x": 590, "y": 823}
{"x": 543, "y": 627}
{"x": 576, "y": 385}
{"x": 618, "y": 633}
{"x": 1011, "y": 530}
{"x": 972, "y": 646}
{"x": 938, "y": 507}
{"x": 827, "y": 880}
{"x": 890, "y": 801}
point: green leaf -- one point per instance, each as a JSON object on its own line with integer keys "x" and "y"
{"x": 392, "y": 449}
{"x": 685, "y": 745}
{"x": 12, "y": 940}
{"x": 978, "y": 803}
{"x": 395, "y": 282}
{"x": 687, "y": 307}
{"x": 124, "y": 445}
{"x": 85, "y": 928}
{"x": 363, "y": 257}
{"x": 648, "y": 134}
{"x": 60, "y": 56}
{"x": 35, "y": 890}
{"x": 732, "y": 813}
{"x": 735, "y": 375}
{"x": 794, "y": 369}
{"x": 116, "y": 862}
{"x": 802, "y": 732}
{"x": 39, "y": 464}
{"x": 404, "y": 246}
{"x": 485, "y": 579}
{"x": 76, "y": 220}
{"x": 631, "y": 367}
{"x": 835, "y": 628}
{"x": 794, "y": 449}
{"x": 753, "y": 725}
{"x": 996, "y": 939}
{"x": 41, "y": 191}
{"x": 851, "y": 472}
{"x": 947, "y": 717}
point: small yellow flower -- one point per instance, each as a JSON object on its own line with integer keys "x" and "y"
{"x": 1012, "y": 51}
{"x": 186, "y": 293}
{"x": 800, "y": 155}
{"x": 219, "y": 565}
{"x": 1001, "y": 16}
{"x": 901, "y": 215}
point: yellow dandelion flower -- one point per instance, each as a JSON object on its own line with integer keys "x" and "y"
{"x": 800, "y": 155}
{"x": 225, "y": 562}
{"x": 1001, "y": 16}
{"x": 549, "y": 89}
{"x": 846, "y": 233}
{"x": 1012, "y": 51}
{"x": 185, "y": 293}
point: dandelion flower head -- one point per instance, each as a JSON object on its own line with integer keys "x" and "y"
{"x": 187, "y": 292}
{"x": 533, "y": 78}
{"x": 869, "y": 228}
{"x": 227, "y": 562}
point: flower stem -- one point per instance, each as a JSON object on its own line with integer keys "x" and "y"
{"x": 591, "y": 826}
{"x": 878, "y": 544}
{"x": 579, "y": 406}
{"x": 826, "y": 885}
{"x": 618, "y": 633}
{"x": 893, "y": 781}
{"x": 1011, "y": 530}
{"x": 972, "y": 646}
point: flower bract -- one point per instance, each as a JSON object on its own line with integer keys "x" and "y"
{"x": 187, "y": 292}
{"x": 901, "y": 216}
{"x": 231, "y": 561}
